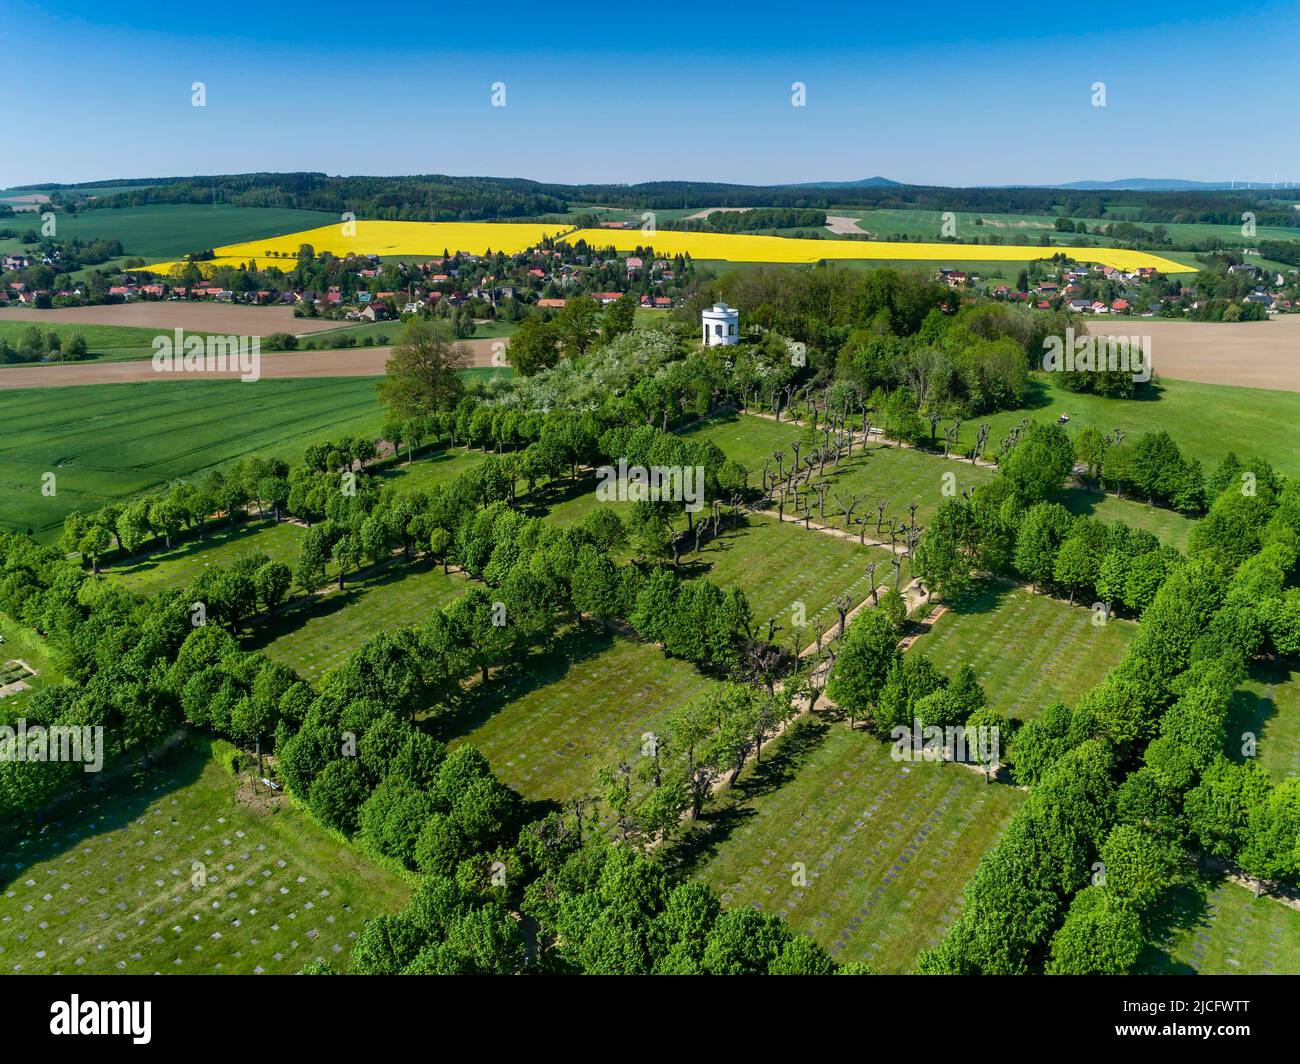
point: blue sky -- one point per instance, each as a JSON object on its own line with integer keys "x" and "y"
{"x": 952, "y": 95}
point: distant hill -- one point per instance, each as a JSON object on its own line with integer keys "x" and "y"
{"x": 866, "y": 182}
{"x": 1162, "y": 184}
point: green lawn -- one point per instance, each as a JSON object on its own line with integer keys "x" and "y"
{"x": 1216, "y": 927}
{"x": 899, "y": 477}
{"x": 886, "y": 847}
{"x": 549, "y": 726}
{"x": 1170, "y": 527}
{"x": 1205, "y": 420}
{"x": 324, "y": 634}
{"x": 1027, "y": 650}
{"x": 181, "y": 565}
{"x": 107, "y": 886}
{"x": 427, "y": 470}
{"x": 27, "y": 646}
{"x": 748, "y": 440}
{"x": 1267, "y": 706}
{"x": 106, "y": 442}
{"x": 781, "y": 566}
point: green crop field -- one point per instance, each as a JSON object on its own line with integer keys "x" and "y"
{"x": 163, "y": 230}
{"x": 1216, "y": 927}
{"x": 892, "y": 223}
{"x": 108, "y": 441}
{"x": 548, "y": 727}
{"x": 1267, "y": 706}
{"x": 324, "y": 633}
{"x": 883, "y": 848}
{"x": 1027, "y": 650}
{"x": 178, "y": 869}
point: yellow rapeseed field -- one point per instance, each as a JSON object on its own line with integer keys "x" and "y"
{"x": 416, "y": 239}
{"x": 386, "y": 239}
{"x": 739, "y": 248}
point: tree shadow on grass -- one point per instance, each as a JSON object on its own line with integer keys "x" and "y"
{"x": 1181, "y": 910}
{"x": 85, "y": 814}
{"x": 1250, "y": 711}
{"x": 267, "y": 630}
{"x": 737, "y": 806}
{"x": 192, "y": 544}
{"x": 481, "y": 702}
{"x": 983, "y": 596}
{"x": 542, "y": 501}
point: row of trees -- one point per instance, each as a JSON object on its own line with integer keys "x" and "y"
{"x": 1141, "y": 772}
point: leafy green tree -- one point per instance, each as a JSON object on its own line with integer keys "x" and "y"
{"x": 273, "y": 580}
{"x": 869, "y": 649}
{"x": 533, "y": 347}
{"x": 1101, "y": 936}
{"x": 424, "y": 371}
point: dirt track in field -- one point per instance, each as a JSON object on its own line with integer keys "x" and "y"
{"x": 1251, "y": 354}
{"x": 345, "y": 362}
{"x": 166, "y": 315}
{"x": 839, "y": 223}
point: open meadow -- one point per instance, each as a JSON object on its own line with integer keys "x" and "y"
{"x": 1205, "y": 420}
